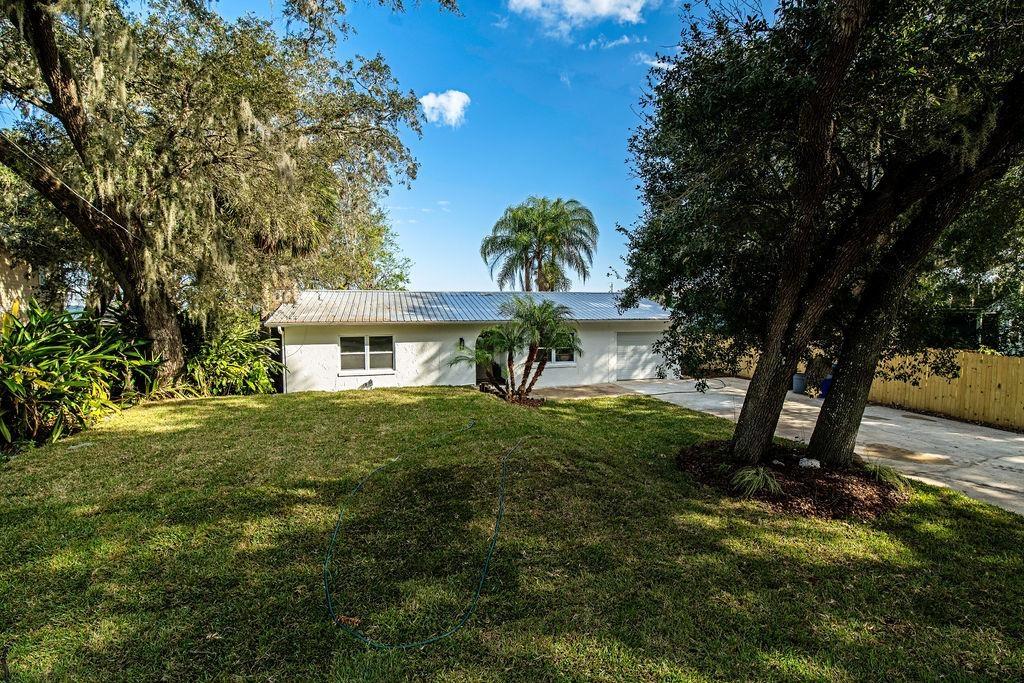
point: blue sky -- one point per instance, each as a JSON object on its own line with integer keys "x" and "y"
{"x": 553, "y": 87}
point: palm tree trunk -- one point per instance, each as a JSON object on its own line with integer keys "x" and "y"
{"x": 489, "y": 378}
{"x": 511, "y": 363}
{"x": 536, "y": 376}
{"x": 531, "y": 356}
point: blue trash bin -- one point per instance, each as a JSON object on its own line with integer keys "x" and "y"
{"x": 799, "y": 383}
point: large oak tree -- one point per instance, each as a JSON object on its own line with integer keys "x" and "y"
{"x": 193, "y": 155}
{"x": 787, "y": 161}
{"x": 961, "y": 239}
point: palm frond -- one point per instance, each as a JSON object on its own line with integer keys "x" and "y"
{"x": 541, "y": 240}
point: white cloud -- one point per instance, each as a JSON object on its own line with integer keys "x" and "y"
{"x": 445, "y": 205}
{"x": 560, "y": 17}
{"x": 447, "y": 108}
{"x": 602, "y": 42}
{"x": 565, "y": 78}
{"x": 500, "y": 22}
{"x": 651, "y": 61}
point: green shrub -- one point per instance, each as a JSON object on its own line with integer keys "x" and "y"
{"x": 887, "y": 475}
{"x": 235, "y": 360}
{"x": 58, "y": 371}
{"x": 749, "y": 481}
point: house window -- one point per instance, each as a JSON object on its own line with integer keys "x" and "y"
{"x": 565, "y": 355}
{"x": 557, "y": 355}
{"x": 353, "y": 353}
{"x": 382, "y": 353}
{"x": 367, "y": 353}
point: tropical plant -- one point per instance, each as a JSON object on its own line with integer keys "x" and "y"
{"x": 234, "y": 360}
{"x": 535, "y": 244}
{"x": 504, "y": 341}
{"x": 59, "y": 371}
{"x": 887, "y": 475}
{"x": 533, "y": 326}
{"x": 749, "y": 481}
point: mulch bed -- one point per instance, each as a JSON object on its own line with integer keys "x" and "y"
{"x": 827, "y": 493}
{"x": 530, "y": 402}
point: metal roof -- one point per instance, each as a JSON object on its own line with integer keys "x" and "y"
{"x": 331, "y": 306}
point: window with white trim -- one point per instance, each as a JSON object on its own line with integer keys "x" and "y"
{"x": 367, "y": 353}
{"x": 381, "y": 351}
{"x": 566, "y": 355}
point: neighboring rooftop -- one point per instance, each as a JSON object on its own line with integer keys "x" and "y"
{"x": 327, "y": 306}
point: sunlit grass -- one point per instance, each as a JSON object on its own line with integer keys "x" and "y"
{"x": 184, "y": 541}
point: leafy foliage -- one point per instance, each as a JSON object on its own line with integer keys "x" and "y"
{"x": 206, "y": 158}
{"x": 361, "y": 252}
{"x": 58, "y": 372}
{"x": 533, "y": 325}
{"x": 537, "y": 243}
{"x": 979, "y": 267}
{"x": 719, "y": 157}
{"x": 749, "y": 481}
{"x": 235, "y": 360}
{"x": 35, "y": 234}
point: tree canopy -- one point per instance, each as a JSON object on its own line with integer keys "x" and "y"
{"x": 199, "y": 159}
{"x": 537, "y": 244}
{"x": 786, "y": 163}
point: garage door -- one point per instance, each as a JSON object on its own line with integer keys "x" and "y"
{"x": 635, "y": 357}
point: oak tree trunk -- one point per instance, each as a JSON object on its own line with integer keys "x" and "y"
{"x": 762, "y": 406}
{"x": 835, "y": 432}
{"x": 794, "y": 314}
{"x": 157, "y": 314}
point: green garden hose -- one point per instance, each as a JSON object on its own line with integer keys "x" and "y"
{"x": 471, "y": 608}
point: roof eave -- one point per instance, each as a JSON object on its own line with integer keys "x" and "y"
{"x": 335, "y": 323}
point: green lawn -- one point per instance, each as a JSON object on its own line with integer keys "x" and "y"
{"x": 184, "y": 541}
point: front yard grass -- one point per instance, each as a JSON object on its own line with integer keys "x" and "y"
{"x": 184, "y": 541}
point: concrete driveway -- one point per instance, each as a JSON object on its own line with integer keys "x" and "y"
{"x": 984, "y": 463}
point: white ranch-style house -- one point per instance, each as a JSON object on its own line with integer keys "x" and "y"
{"x": 346, "y": 339}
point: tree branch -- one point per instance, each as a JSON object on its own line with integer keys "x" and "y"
{"x": 25, "y": 95}
{"x": 79, "y": 212}
{"x": 39, "y": 32}
{"x": 930, "y": 178}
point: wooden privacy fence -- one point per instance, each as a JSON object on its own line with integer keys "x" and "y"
{"x": 990, "y": 390}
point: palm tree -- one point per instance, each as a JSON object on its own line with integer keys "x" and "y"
{"x": 507, "y": 339}
{"x": 537, "y": 242}
{"x": 510, "y": 248}
{"x": 532, "y": 325}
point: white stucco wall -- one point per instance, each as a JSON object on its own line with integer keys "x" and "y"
{"x": 422, "y": 354}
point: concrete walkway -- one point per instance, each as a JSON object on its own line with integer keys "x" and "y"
{"x": 985, "y": 463}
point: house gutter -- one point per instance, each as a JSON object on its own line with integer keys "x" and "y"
{"x": 372, "y": 323}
